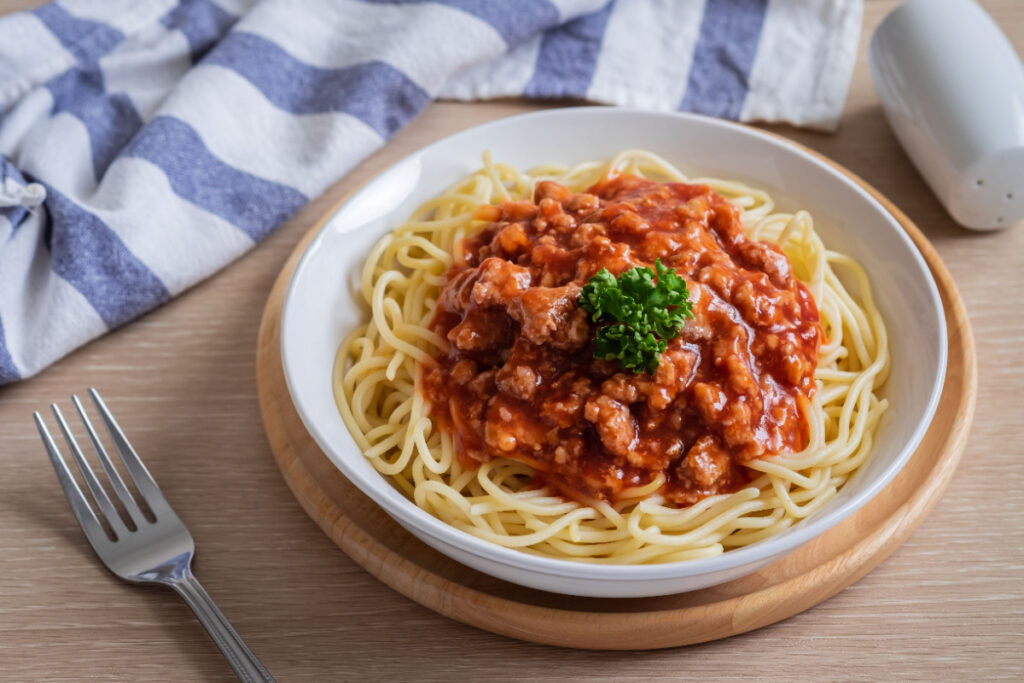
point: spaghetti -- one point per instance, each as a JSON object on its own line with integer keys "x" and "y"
{"x": 379, "y": 389}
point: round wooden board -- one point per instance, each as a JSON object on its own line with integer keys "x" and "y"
{"x": 809, "y": 575}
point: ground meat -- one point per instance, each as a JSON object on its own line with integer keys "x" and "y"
{"x": 565, "y": 402}
{"x": 614, "y": 424}
{"x": 520, "y": 379}
{"x": 508, "y": 427}
{"x": 628, "y": 223}
{"x": 706, "y": 462}
{"x": 770, "y": 259}
{"x": 511, "y": 240}
{"x": 483, "y": 384}
{"x": 499, "y": 282}
{"x": 547, "y": 189}
{"x": 481, "y": 329}
{"x": 463, "y": 371}
{"x": 550, "y": 315}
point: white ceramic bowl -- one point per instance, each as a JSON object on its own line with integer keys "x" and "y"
{"x": 321, "y": 307}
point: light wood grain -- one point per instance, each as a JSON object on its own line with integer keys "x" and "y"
{"x": 948, "y": 605}
{"x": 815, "y": 572}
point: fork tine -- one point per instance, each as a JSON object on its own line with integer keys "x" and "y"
{"x": 116, "y": 482}
{"x": 136, "y": 469}
{"x": 79, "y": 505}
{"x": 98, "y": 493}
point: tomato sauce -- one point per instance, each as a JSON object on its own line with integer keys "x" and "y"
{"x": 520, "y": 379}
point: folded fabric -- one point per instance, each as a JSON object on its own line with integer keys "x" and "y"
{"x": 147, "y": 143}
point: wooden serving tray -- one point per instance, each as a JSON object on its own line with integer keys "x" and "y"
{"x": 802, "y": 579}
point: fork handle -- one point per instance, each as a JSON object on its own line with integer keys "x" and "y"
{"x": 247, "y": 667}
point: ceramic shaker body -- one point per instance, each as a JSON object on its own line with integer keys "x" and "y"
{"x": 952, "y": 87}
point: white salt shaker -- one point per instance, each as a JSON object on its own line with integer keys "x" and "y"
{"x": 952, "y": 87}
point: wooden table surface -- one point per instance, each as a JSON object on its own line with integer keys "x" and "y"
{"x": 948, "y": 605}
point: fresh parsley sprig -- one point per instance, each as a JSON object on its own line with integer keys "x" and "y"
{"x": 643, "y": 309}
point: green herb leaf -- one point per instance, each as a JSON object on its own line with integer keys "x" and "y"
{"x": 643, "y": 308}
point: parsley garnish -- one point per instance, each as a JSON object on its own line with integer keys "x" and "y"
{"x": 644, "y": 308}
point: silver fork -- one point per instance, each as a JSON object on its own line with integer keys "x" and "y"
{"x": 158, "y": 551}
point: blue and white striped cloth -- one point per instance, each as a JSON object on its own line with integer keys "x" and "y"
{"x": 147, "y": 143}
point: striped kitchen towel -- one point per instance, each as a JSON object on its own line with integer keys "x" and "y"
{"x": 144, "y": 144}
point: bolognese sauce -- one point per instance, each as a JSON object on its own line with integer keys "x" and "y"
{"x": 520, "y": 379}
